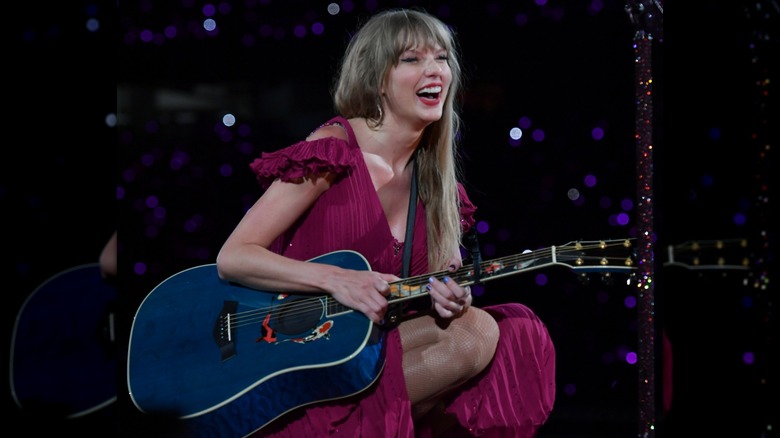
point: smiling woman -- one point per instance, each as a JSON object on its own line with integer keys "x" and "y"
{"x": 380, "y": 177}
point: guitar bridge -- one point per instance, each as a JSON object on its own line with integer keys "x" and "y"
{"x": 223, "y": 334}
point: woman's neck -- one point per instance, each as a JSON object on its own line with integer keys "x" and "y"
{"x": 393, "y": 142}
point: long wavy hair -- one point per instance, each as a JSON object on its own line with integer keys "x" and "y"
{"x": 370, "y": 55}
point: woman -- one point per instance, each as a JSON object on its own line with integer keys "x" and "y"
{"x": 448, "y": 365}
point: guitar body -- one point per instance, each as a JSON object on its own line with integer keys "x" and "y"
{"x": 63, "y": 356}
{"x": 227, "y": 360}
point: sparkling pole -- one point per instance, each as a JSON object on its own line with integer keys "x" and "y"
{"x": 646, "y": 16}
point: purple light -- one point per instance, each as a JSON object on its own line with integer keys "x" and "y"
{"x": 224, "y": 8}
{"x": 159, "y": 212}
{"x": 208, "y": 10}
{"x": 179, "y": 160}
{"x": 483, "y": 227}
{"x": 152, "y": 201}
{"x": 226, "y": 136}
{"x": 540, "y": 279}
{"x": 590, "y": 180}
{"x": 226, "y": 170}
{"x": 524, "y": 122}
{"x": 595, "y": 6}
{"x": 538, "y": 135}
{"x": 139, "y": 268}
{"x": 147, "y": 159}
{"x": 570, "y": 388}
{"x": 630, "y": 302}
{"x": 128, "y": 175}
{"x": 317, "y": 28}
{"x": 170, "y": 32}
{"x": 631, "y": 357}
{"x": 146, "y": 36}
{"x": 597, "y": 133}
{"x": 193, "y": 223}
{"x": 300, "y": 31}
{"x": 748, "y": 357}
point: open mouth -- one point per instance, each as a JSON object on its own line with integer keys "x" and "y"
{"x": 431, "y": 93}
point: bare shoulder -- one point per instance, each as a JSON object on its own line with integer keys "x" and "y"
{"x": 325, "y": 131}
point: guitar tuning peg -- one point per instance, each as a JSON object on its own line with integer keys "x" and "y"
{"x": 584, "y": 279}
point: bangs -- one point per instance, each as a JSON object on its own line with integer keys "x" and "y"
{"x": 414, "y": 33}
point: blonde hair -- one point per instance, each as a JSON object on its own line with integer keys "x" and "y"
{"x": 371, "y": 53}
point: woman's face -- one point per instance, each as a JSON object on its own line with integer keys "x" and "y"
{"x": 417, "y": 87}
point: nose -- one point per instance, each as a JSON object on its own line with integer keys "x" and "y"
{"x": 432, "y": 67}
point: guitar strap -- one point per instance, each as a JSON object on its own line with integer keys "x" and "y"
{"x": 395, "y": 312}
{"x": 410, "y": 224}
{"x": 476, "y": 257}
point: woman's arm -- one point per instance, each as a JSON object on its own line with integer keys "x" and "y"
{"x": 245, "y": 258}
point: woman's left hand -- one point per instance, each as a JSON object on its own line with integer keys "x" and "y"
{"x": 450, "y": 300}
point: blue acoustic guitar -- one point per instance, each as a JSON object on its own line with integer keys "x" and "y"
{"x": 227, "y": 360}
{"x": 63, "y": 352}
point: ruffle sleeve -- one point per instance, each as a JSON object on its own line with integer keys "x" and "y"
{"x": 304, "y": 159}
{"x": 467, "y": 209}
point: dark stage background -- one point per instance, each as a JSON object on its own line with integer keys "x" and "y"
{"x": 123, "y": 127}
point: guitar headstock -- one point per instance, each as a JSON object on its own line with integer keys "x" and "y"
{"x": 616, "y": 255}
{"x": 605, "y": 257}
{"x": 722, "y": 254}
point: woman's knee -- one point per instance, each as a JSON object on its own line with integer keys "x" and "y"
{"x": 480, "y": 336}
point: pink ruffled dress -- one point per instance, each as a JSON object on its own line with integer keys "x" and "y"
{"x": 512, "y": 397}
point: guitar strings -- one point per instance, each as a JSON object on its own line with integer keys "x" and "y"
{"x": 413, "y": 287}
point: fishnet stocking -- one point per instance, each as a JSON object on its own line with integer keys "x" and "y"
{"x": 440, "y": 355}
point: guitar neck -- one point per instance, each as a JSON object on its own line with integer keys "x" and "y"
{"x": 586, "y": 256}
{"x": 604, "y": 256}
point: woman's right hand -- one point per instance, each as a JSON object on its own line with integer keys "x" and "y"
{"x": 364, "y": 291}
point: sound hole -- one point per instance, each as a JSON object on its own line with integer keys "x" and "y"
{"x": 298, "y": 314}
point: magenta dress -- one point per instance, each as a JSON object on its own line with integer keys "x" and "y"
{"x": 513, "y": 396}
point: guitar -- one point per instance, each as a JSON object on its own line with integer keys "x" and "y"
{"x": 716, "y": 255}
{"x": 227, "y": 360}
{"x": 63, "y": 356}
